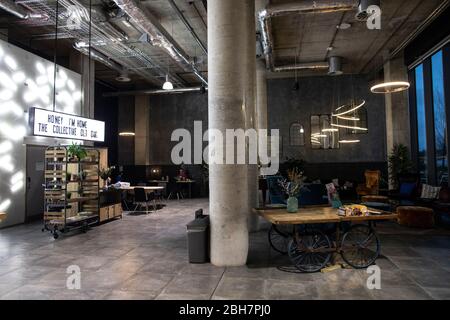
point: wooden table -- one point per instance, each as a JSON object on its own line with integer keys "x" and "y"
{"x": 146, "y": 189}
{"x": 315, "y": 235}
{"x": 316, "y": 215}
{"x": 189, "y": 183}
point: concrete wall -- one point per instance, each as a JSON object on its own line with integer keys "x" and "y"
{"x": 126, "y": 124}
{"x": 26, "y": 81}
{"x": 170, "y": 112}
{"x": 315, "y": 96}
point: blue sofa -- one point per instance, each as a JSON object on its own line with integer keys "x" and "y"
{"x": 311, "y": 195}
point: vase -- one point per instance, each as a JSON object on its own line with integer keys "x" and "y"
{"x": 292, "y": 205}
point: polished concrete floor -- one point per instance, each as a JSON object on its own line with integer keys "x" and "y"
{"x": 145, "y": 257}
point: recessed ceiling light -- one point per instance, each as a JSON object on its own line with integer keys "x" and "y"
{"x": 344, "y": 26}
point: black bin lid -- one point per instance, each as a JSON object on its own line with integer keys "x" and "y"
{"x": 198, "y": 224}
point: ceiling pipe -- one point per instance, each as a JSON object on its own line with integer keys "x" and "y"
{"x": 188, "y": 26}
{"x": 154, "y": 92}
{"x": 13, "y": 8}
{"x": 302, "y": 66}
{"x": 141, "y": 17}
{"x": 299, "y": 7}
{"x": 98, "y": 56}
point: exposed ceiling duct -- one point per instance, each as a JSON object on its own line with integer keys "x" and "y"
{"x": 362, "y": 14}
{"x": 109, "y": 44}
{"x": 158, "y": 36}
{"x": 335, "y": 66}
{"x": 98, "y": 56}
{"x": 19, "y": 11}
{"x": 302, "y": 66}
{"x": 299, "y": 7}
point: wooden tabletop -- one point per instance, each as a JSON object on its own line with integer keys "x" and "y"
{"x": 311, "y": 215}
{"x": 2, "y": 216}
{"x": 145, "y": 188}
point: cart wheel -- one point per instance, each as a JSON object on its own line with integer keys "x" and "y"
{"x": 279, "y": 239}
{"x": 310, "y": 253}
{"x": 360, "y": 246}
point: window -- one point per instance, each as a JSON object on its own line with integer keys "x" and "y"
{"x": 421, "y": 124}
{"x": 440, "y": 123}
{"x": 430, "y": 109}
{"x": 297, "y": 135}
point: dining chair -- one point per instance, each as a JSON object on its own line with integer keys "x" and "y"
{"x": 174, "y": 188}
{"x": 158, "y": 193}
{"x": 141, "y": 199}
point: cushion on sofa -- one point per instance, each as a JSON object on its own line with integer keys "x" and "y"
{"x": 430, "y": 192}
{"x": 407, "y": 189}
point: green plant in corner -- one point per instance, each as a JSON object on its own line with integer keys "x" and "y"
{"x": 76, "y": 151}
{"x": 399, "y": 163}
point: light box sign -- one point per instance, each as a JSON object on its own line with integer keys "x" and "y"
{"x": 47, "y": 123}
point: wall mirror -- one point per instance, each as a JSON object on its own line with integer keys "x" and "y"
{"x": 323, "y": 135}
{"x": 297, "y": 135}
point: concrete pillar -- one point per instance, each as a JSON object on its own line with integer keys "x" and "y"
{"x": 397, "y": 108}
{"x": 142, "y": 130}
{"x": 261, "y": 86}
{"x": 253, "y": 220}
{"x": 227, "y": 42}
{"x": 261, "y": 95}
{"x": 80, "y": 63}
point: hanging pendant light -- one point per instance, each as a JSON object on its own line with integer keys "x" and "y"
{"x": 167, "y": 85}
{"x": 348, "y": 108}
{"x": 390, "y": 87}
{"x": 349, "y": 141}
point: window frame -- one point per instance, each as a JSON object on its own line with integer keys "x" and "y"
{"x": 429, "y": 111}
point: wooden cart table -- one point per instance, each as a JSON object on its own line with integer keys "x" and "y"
{"x": 311, "y": 236}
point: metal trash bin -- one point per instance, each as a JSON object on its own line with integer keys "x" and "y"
{"x": 198, "y": 238}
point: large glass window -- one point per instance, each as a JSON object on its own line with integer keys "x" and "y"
{"x": 421, "y": 123}
{"x": 440, "y": 123}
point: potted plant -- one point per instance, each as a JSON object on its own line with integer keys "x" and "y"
{"x": 399, "y": 163}
{"x": 292, "y": 187}
{"x": 105, "y": 174}
{"x": 76, "y": 152}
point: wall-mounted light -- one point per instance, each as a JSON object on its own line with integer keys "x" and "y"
{"x": 349, "y": 141}
{"x": 390, "y": 87}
